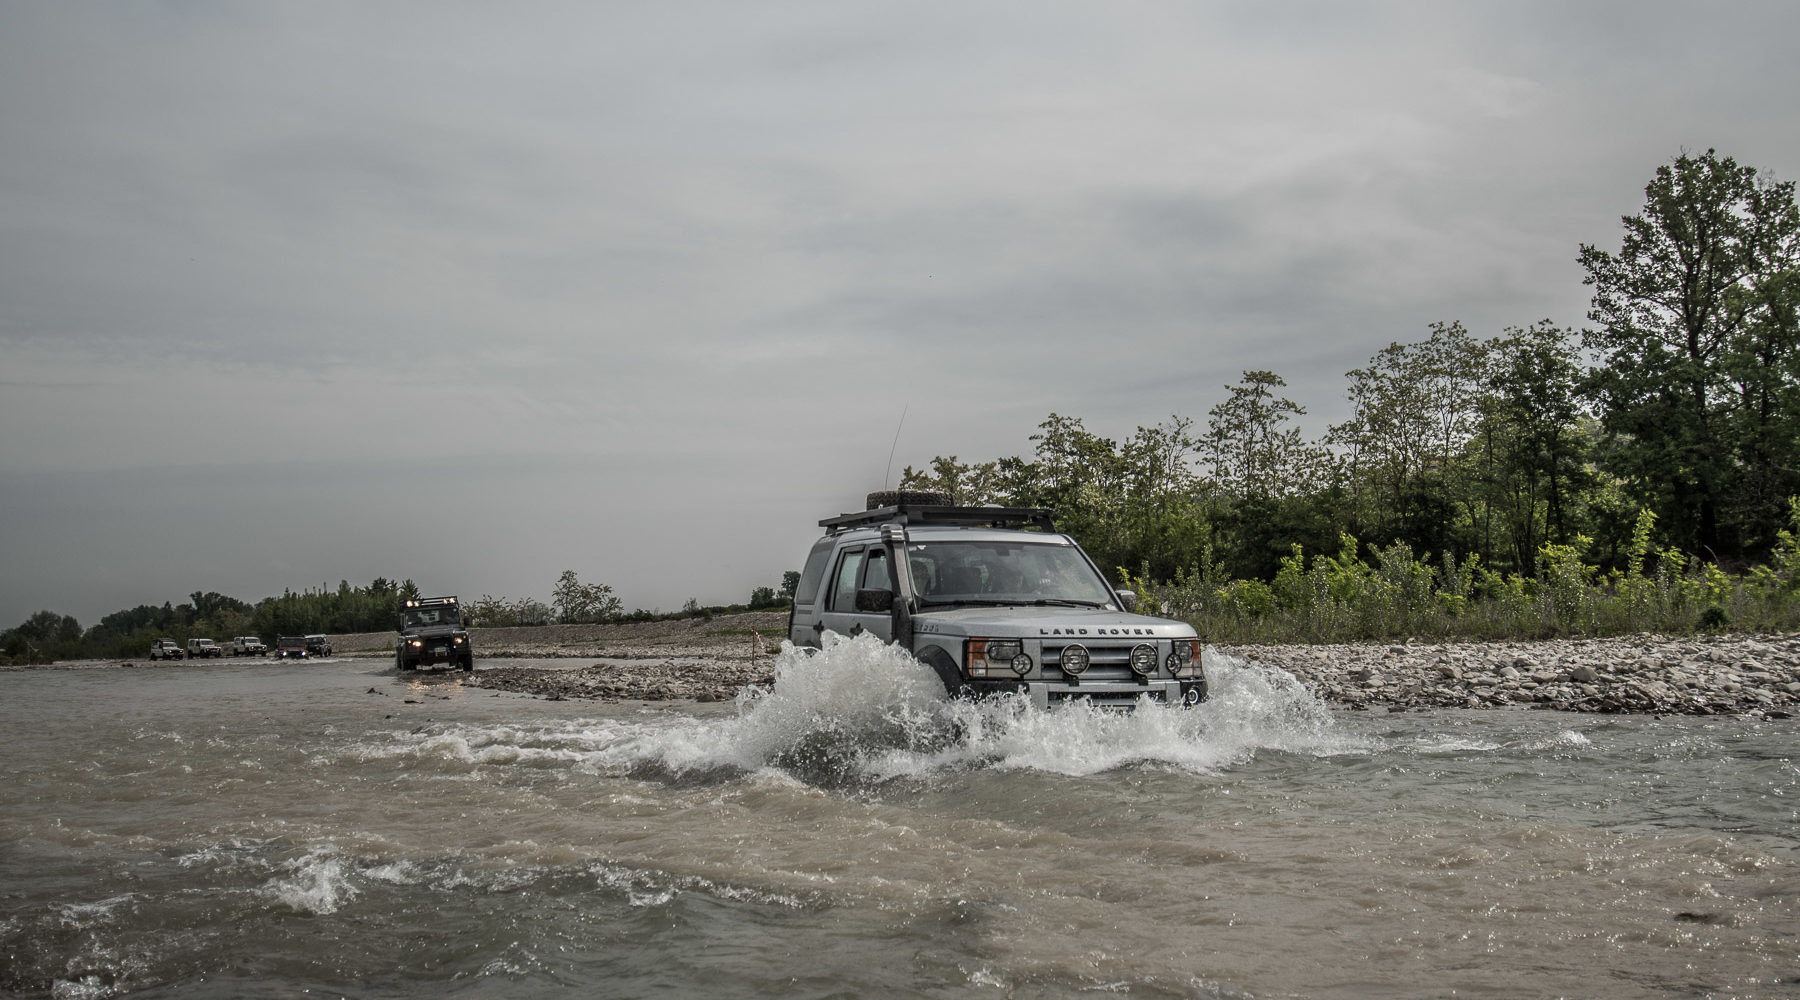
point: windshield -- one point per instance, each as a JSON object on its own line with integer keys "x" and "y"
{"x": 1008, "y": 572}
{"x": 423, "y": 617}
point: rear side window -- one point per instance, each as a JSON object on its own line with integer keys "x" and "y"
{"x": 875, "y": 575}
{"x": 843, "y": 595}
{"x": 810, "y": 577}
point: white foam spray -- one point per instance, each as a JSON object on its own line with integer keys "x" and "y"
{"x": 863, "y": 710}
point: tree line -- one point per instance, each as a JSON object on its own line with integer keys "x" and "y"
{"x": 1665, "y": 434}
{"x": 47, "y": 636}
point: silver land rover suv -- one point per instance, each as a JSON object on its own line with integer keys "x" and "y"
{"x": 995, "y": 600}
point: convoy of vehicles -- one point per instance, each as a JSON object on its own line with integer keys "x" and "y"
{"x": 201, "y": 649}
{"x": 431, "y": 632}
{"x": 994, "y": 600}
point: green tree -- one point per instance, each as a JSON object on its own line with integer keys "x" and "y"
{"x": 1698, "y": 375}
{"x": 1412, "y": 410}
{"x": 1253, "y": 450}
{"x": 1529, "y": 454}
{"x": 585, "y": 603}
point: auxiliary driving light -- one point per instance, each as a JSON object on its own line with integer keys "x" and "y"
{"x": 1143, "y": 659}
{"x": 1074, "y": 658}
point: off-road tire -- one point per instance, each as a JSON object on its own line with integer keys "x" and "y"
{"x": 893, "y": 498}
{"x": 468, "y": 663}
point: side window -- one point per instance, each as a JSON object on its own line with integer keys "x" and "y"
{"x": 843, "y": 592}
{"x": 814, "y": 573}
{"x": 876, "y": 576}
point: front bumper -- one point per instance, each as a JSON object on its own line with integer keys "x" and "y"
{"x": 1100, "y": 694}
{"x": 429, "y": 651}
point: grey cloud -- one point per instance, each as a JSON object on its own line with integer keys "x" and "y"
{"x": 675, "y": 251}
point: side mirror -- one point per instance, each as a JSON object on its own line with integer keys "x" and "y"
{"x": 875, "y": 601}
{"x": 1129, "y": 599}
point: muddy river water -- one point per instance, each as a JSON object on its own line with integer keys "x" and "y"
{"x": 332, "y": 829}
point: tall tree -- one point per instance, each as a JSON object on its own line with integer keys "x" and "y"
{"x": 1253, "y": 448}
{"x": 1412, "y": 410}
{"x": 585, "y": 603}
{"x": 1697, "y": 372}
{"x": 1529, "y": 453}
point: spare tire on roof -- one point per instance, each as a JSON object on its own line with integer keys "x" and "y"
{"x": 893, "y": 498}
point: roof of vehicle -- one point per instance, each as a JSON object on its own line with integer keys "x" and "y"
{"x": 923, "y": 515}
{"x": 932, "y": 533}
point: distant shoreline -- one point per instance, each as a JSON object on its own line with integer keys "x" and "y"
{"x": 710, "y": 659}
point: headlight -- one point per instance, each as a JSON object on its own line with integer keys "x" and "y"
{"x": 1074, "y": 658}
{"x": 457, "y": 639}
{"x": 1021, "y": 664}
{"x": 417, "y": 643}
{"x": 985, "y": 657}
{"x": 1143, "y": 659}
{"x": 1185, "y": 660}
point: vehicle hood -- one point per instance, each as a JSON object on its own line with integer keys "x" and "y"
{"x": 1028, "y": 622}
{"x": 433, "y": 631}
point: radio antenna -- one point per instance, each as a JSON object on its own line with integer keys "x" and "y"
{"x": 890, "y": 468}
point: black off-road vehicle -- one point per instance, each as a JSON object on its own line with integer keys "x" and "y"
{"x": 431, "y": 632}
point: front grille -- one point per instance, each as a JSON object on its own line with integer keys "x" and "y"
{"x": 1107, "y": 662}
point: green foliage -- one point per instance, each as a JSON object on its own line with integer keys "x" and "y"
{"x": 583, "y": 603}
{"x": 488, "y": 611}
{"x": 1698, "y": 378}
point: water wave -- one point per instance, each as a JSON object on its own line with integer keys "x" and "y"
{"x": 320, "y": 883}
{"x": 861, "y": 710}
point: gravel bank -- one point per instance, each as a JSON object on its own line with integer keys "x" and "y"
{"x": 711, "y": 659}
{"x": 1722, "y": 675}
{"x": 1711, "y": 675}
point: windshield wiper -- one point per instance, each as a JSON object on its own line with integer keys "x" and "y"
{"x": 1067, "y": 602}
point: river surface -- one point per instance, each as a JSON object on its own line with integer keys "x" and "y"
{"x": 330, "y": 828}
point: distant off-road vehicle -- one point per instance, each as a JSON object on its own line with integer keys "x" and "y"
{"x": 166, "y": 649}
{"x": 248, "y": 645}
{"x": 198, "y": 649}
{"x": 431, "y": 632}
{"x": 290, "y": 647}
{"x": 318, "y": 645}
{"x": 993, "y": 599}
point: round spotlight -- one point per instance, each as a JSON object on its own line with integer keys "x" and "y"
{"x": 1074, "y": 658}
{"x": 1143, "y": 659}
{"x": 1021, "y": 664}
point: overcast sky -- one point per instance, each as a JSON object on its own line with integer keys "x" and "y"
{"x": 473, "y": 294}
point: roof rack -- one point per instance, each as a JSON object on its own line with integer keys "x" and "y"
{"x": 935, "y": 515}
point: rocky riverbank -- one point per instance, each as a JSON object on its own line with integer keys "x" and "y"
{"x": 1713, "y": 675}
{"x": 1710, "y": 675}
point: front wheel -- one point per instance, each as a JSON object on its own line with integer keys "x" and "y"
{"x": 468, "y": 662}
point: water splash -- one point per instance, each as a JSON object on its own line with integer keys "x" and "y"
{"x": 861, "y": 710}
{"x": 319, "y": 885}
